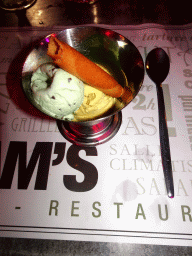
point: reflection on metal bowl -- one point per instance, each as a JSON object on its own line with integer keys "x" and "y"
{"x": 112, "y": 52}
{"x": 16, "y": 5}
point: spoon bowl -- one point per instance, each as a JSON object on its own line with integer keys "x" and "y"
{"x": 157, "y": 67}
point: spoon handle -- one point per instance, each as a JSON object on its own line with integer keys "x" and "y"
{"x": 164, "y": 143}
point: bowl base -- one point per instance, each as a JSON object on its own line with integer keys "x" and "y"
{"x": 88, "y": 135}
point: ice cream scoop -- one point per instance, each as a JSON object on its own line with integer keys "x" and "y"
{"x": 96, "y": 104}
{"x": 57, "y": 92}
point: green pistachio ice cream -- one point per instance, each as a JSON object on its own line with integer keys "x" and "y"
{"x": 57, "y": 92}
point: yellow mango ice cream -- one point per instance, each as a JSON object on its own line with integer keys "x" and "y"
{"x": 95, "y": 104}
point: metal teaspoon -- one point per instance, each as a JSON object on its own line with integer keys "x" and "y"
{"x": 157, "y": 67}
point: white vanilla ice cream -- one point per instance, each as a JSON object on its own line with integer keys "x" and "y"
{"x": 57, "y": 92}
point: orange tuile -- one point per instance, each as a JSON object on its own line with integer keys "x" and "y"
{"x": 80, "y": 66}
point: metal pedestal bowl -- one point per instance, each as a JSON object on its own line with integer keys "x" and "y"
{"x": 110, "y": 50}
